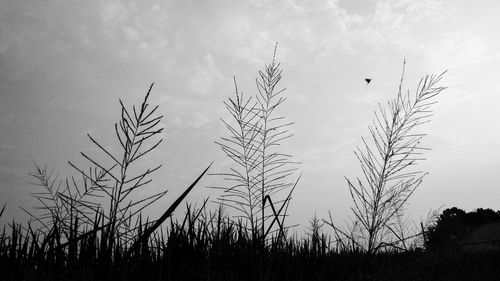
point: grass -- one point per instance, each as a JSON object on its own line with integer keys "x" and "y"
{"x": 388, "y": 159}
{"x": 93, "y": 229}
{"x": 260, "y": 183}
{"x": 205, "y": 245}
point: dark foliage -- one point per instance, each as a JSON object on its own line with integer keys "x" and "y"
{"x": 206, "y": 245}
{"x": 454, "y": 223}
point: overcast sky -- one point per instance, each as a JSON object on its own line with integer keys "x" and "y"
{"x": 64, "y": 64}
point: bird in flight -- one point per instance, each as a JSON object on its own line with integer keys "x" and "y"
{"x": 368, "y": 80}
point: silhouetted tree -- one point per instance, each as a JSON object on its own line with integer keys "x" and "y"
{"x": 454, "y": 223}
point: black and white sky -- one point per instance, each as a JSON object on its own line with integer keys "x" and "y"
{"x": 64, "y": 64}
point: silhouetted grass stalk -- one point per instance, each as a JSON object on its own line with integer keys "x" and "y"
{"x": 387, "y": 163}
{"x": 259, "y": 186}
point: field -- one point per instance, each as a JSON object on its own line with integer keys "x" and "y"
{"x": 92, "y": 227}
{"x": 214, "y": 248}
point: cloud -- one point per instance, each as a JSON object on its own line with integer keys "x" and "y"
{"x": 131, "y": 34}
{"x": 319, "y": 158}
{"x": 244, "y": 38}
{"x": 205, "y": 76}
{"x": 312, "y": 6}
{"x": 113, "y": 13}
{"x": 137, "y": 31}
{"x": 393, "y": 14}
{"x": 321, "y": 28}
{"x": 370, "y": 97}
{"x": 176, "y": 122}
{"x": 456, "y": 49}
{"x": 400, "y": 23}
{"x": 198, "y": 120}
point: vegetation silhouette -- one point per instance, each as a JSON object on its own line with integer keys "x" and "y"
{"x": 93, "y": 228}
{"x": 388, "y": 159}
{"x": 454, "y": 224}
{"x": 259, "y": 181}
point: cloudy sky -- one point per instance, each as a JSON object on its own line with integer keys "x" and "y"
{"x": 64, "y": 64}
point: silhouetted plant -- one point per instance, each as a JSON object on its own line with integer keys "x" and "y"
{"x": 65, "y": 204}
{"x": 76, "y": 210}
{"x": 207, "y": 244}
{"x": 3, "y": 209}
{"x": 317, "y": 239}
{"x": 453, "y": 224}
{"x": 387, "y": 163}
{"x": 259, "y": 182}
{"x": 69, "y": 202}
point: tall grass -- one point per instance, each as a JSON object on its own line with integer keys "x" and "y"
{"x": 260, "y": 183}
{"x": 206, "y": 245}
{"x": 91, "y": 229}
{"x": 97, "y": 218}
{"x": 388, "y": 160}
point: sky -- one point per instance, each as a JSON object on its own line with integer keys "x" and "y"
{"x": 65, "y": 64}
